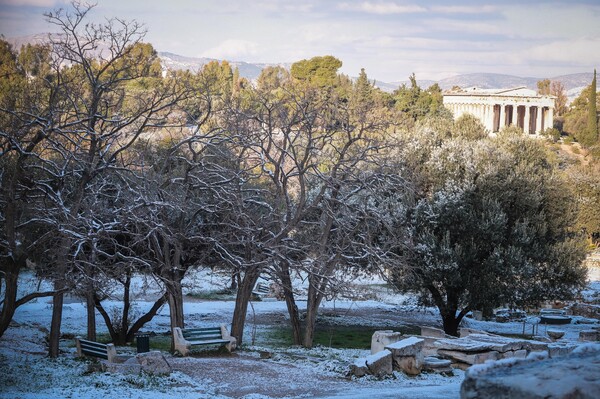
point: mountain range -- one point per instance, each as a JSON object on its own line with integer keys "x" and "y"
{"x": 573, "y": 83}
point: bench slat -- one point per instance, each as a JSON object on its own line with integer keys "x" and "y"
{"x": 99, "y": 354}
{"x": 91, "y": 344}
{"x": 203, "y": 334}
{"x": 209, "y": 342}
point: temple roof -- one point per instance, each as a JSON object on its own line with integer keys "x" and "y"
{"x": 521, "y": 91}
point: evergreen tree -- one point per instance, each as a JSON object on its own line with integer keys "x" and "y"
{"x": 592, "y": 125}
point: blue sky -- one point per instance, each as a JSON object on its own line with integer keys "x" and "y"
{"x": 389, "y": 38}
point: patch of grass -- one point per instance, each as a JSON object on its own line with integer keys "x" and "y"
{"x": 160, "y": 343}
{"x": 213, "y": 295}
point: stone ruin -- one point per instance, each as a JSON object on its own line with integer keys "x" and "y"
{"x": 576, "y": 375}
{"x": 434, "y": 351}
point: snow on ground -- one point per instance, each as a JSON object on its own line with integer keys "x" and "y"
{"x": 289, "y": 373}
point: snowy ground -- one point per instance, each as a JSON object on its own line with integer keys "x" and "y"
{"x": 289, "y": 373}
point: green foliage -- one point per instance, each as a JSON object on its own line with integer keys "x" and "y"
{"x": 579, "y": 120}
{"x": 320, "y": 71}
{"x": 417, "y": 103}
{"x": 494, "y": 227}
{"x": 586, "y": 186}
{"x": 469, "y": 127}
{"x": 552, "y": 134}
{"x": 591, "y": 135}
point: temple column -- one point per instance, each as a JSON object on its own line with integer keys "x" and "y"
{"x": 490, "y": 117}
{"x": 539, "y": 113}
{"x": 514, "y": 115}
{"x": 502, "y": 116}
{"x": 526, "y": 121}
{"x": 550, "y": 118}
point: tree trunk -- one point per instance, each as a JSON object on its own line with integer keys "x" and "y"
{"x": 451, "y": 323}
{"x": 10, "y": 298}
{"x": 91, "y": 315}
{"x": 241, "y": 303}
{"x": 312, "y": 307}
{"x": 175, "y": 299}
{"x": 290, "y": 302}
{"x": 139, "y": 323}
{"x": 106, "y": 317}
{"x": 57, "y": 308}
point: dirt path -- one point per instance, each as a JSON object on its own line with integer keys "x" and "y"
{"x": 239, "y": 375}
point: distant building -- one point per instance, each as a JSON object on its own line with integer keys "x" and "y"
{"x": 498, "y": 108}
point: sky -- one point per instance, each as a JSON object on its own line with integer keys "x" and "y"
{"x": 389, "y": 38}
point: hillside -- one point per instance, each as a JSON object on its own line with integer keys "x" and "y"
{"x": 178, "y": 62}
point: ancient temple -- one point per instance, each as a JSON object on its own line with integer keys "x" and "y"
{"x": 497, "y": 108}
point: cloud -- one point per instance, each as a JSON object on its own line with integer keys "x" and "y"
{"x": 382, "y": 7}
{"x": 232, "y": 49}
{"x": 35, "y": 3}
{"x": 576, "y": 51}
{"x": 483, "y": 9}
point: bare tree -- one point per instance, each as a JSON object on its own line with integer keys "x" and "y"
{"x": 100, "y": 114}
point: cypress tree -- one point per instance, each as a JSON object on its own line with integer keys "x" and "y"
{"x": 592, "y": 125}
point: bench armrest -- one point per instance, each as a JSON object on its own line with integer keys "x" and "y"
{"x": 181, "y": 344}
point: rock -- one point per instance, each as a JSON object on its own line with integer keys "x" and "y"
{"x": 380, "y": 364}
{"x": 477, "y": 343}
{"x": 433, "y": 332}
{"x": 560, "y": 349}
{"x": 383, "y": 338}
{"x": 359, "y": 368}
{"x": 572, "y": 376}
{"x": 519, "y": 354}
{"x": 154, "y": 363}
{"x": 437, "y": 365}
{"x": 465, "y": 332}
{"x": 555, "y": 334}
{"x": 406, "y": 347}
{"x": 470, "y": 358}
{"x": 407, "y": 355}
{"x": 589, "y": 335}
{"x": 429, "y": 347}
{"x": 410, "y": 365}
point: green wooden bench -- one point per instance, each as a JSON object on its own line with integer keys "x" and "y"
{"x": 261, "y": 289}
{"x": 95, "y": 349}
{"x": 185, "y": 339}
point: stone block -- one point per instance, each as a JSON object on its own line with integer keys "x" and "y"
{"x": 588, "y": 335}
{"x": 555, "y": 334}
{"x": 556, "y": 350}
{"x": 432, "y": 332}
{"x": 407, "y": 355}
{"x": 437, "y": 365}
{"x": 406, "y": 347}
{"x": 572, "y": 376}
{"x": 380, "y": 364}
{"x": 470, "y": 358}
{"x": 410, "y": 365}
{"x": 381, "y": 339}
{"x": 465, "y": 332}
{"x": 519, "y": 354}
{"x": 359, "y": 368}
{"x": 429, "y": 347}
